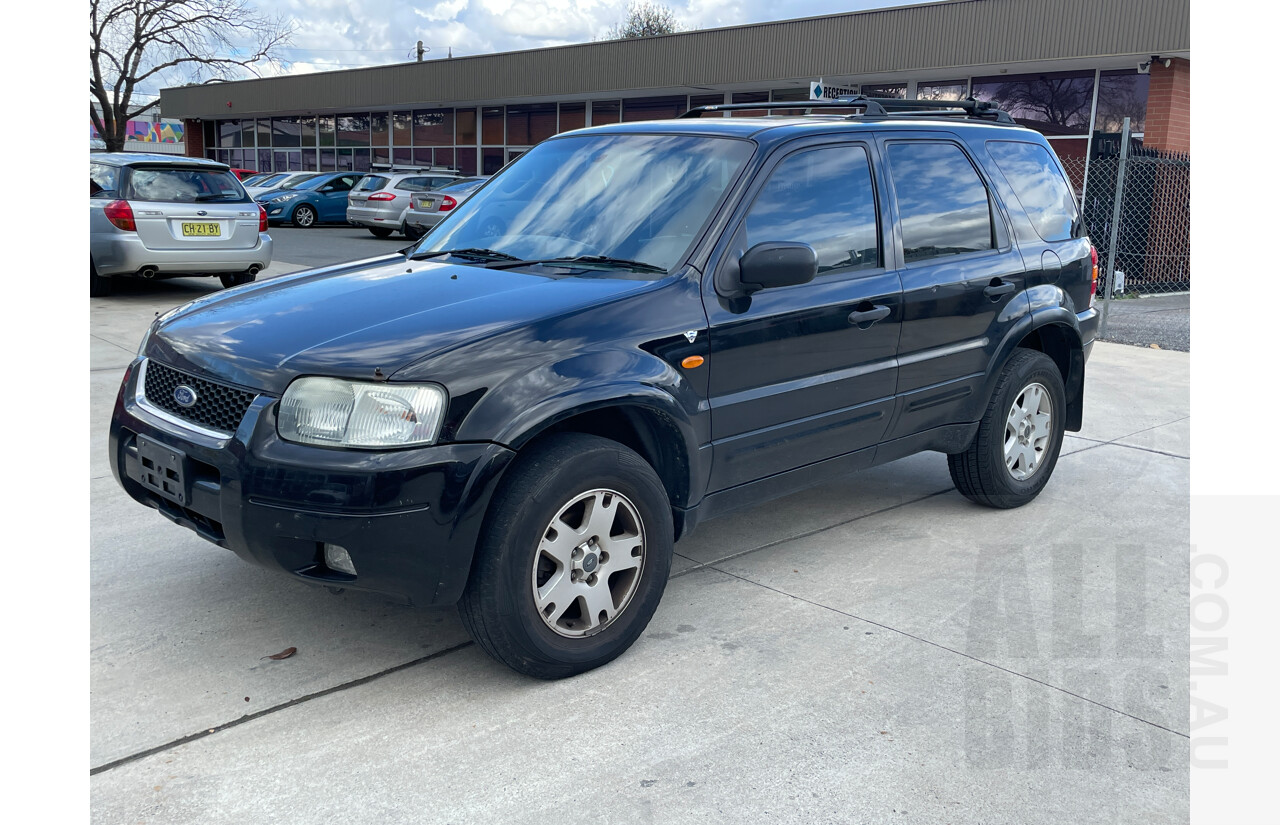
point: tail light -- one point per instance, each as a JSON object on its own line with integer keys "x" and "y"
{"x": 447, "y": 203}
{"x": 1093, "y": 279}
{"x": 262, "y": 218}
{"x": 121, "y": 215}
{"x": 382, "y": 196}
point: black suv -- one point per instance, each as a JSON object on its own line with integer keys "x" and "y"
{"x": 631, "y": 329}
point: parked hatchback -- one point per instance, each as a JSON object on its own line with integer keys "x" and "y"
{"x": 278, "y": 182}
{"x": 161, "y": 216}
{"x": 378, "y": 202}
{"x": 426, "y": 209}
{"x": 321, "y": 198}
{"x": 677, "y": 319}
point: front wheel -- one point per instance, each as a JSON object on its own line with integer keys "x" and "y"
{"x": 575, "y": 555}
{"x": 304, "y": 217}
{"x": 1016, "y": 448}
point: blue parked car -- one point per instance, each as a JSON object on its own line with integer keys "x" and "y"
{"x": 323, "y": 199}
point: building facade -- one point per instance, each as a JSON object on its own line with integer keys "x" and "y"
{"x": 1073, "y": 69}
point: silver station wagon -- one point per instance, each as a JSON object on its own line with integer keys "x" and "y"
{"x": 378, "y": 202}
{"x": 160, "y": 216}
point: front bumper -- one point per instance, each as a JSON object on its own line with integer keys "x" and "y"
{"x": 409, "y": 519}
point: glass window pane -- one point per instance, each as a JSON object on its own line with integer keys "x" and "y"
{"x": 942, "y": 90}
{"x": 492, "y": 130}
{"x": 572, "y": 116}
{"x": 492, "y": 160}
{"x": 1040, "y": 187}
{"x": 422, "y": 157}
{"x": 307, "y": 130}
{"x": 228, "y": 133}
{"x": 466, "y": 124}
{"x": 466, "y": 160}
{"x": 285, "y": 131}
{"x": 344, "y": 161}
{"x": 237, "y": 158}
{"x": 247, "y": 131}
{"x": 381, "y": 155}
{"x": 790, "y": 94}
{"x": 326, "y": 130}
{"x": 360, "y": 160}
{"x": 605, "y": 111}
{"x": 433, "y": 127}
{"x": 893, "y": 90}
{"x": 353, "y": 129}
{"x": 402, "y": 156}
{"x": 264, "y": 132}
{"x": 705, "y": 100}
{"x": 295, "y": 161}
{"x": 264, "y": 160}
{"x": 444, "y": 158}
{"x": 750, "y": 97}
{"x": 210, "y": 134}
{"x": 309, "y": 161}
{"x": 1122, "y": 94}
{"x": 280, "y": 163}
{"x": 402, "y": 129}
{"x": 942, "y": 203}
{"x": 1055, "y": 103}
{"x": 822, "y": 197}
{"x": 379, "y": 129}
{"x": 328, "y": 160}
{"x": 653, "y": 108}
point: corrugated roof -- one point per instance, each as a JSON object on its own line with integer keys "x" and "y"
{"x": 906, "y": 38}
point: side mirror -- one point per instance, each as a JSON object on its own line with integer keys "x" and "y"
{"x": 776, "y": 263}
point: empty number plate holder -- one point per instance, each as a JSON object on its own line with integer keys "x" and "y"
{"x": 162, "y": 469}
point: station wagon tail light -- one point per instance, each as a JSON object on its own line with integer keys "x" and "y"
{"x": 1093, "y": 281}
{"x": 447, "y": 203}
{"x": 262, "y": 218}
{"x": 382, "y": 196}
{"x": 121, "y": 215}
{"x": 334, "y": 412}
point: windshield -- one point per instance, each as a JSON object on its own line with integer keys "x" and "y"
{"x": 270, "y": 180}
{"x": 635, "y": 197}
{"x": 175, "y": 184}
{"x": 309, "y": 182}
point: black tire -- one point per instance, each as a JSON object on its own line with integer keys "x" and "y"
{"x": 412, "y": 233}
{"x": 231, "y": 279}
{"x": 498, "y": 606}
{"x": 980, "y": 472}
{"x": 380, "y": 232}
{"x": 304, "y": 217}
{"x": 100, "y": 286}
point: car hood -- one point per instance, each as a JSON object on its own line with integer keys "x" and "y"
{"x": 382, "y": 314}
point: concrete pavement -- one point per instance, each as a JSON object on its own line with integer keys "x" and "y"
{"x": 875, "y": 650}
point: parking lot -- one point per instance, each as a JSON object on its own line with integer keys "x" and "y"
{"x": 873, "y": 650}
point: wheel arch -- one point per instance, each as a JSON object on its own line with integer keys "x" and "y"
{"x": 1054, "y": 331}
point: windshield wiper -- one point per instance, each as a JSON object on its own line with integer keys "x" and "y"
{"x": 593, "y": 260}
{"x": 471, "y": 252}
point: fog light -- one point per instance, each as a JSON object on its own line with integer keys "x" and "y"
{"x": 337, "y": 558}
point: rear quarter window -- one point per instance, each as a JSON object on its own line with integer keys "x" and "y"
{"x": 1036, "y": 180}
{"x": 371, "y": 183}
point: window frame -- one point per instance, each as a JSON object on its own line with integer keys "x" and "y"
{"x": 1001, "y": 235}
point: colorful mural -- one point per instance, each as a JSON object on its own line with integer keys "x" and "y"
{"x": 145, "y": 131}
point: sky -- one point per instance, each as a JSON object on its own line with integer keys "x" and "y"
{"x": 340, "y": 34}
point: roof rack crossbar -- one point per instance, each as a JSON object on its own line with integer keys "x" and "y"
{"x": 872, "y": 107}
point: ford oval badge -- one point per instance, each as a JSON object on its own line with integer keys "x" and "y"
{"x": 184, "y": 395}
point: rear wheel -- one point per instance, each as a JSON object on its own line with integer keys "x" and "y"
{"x": 380, "y": 232}
{"x": 304, "y": 217}
{"x": 231, "y": 279}
{"x": 100, "y": 286}
{"x": 411, "y": 232}
{"x": 1019, "y": 437}
{"x": 575, "y": 555}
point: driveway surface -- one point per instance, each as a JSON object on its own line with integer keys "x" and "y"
{"x": 874, "y": 650}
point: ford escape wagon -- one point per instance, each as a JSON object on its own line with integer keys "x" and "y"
{"x": 630, "y": 330}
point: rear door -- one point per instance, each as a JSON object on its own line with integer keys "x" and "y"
{"x": 804, "y": 373}
{"x": 186, "y": 207}
{"x": 963, "y": 280}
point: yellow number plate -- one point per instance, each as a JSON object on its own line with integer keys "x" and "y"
{"x": 201, "y": 230}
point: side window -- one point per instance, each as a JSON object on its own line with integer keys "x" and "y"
{"x": 1039, "y": 185}
{"x": 410, "y": 184}
{"x": 342, "y": 184}
{"x": 103, "y": 179}
{"x": 825, "y": 198}
{"x": 942, "y": 203}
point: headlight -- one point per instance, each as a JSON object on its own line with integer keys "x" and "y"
{"x": 284, "y": 198}
{"x": 146, "y": 337}
{"x": 338, "y": 413}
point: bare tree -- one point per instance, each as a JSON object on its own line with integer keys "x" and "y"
{"x": 132, "y": 41}
{"x": 644, "y": 19}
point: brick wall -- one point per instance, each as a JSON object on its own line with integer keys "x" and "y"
{"x": 193, "y": 132}
{"x": 1169, "y": 107}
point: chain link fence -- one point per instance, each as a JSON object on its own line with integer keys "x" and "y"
{"x": 1137, "y": 206}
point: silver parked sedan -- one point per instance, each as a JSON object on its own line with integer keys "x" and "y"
{"x": 159, "y": 216}
{"x": 426, "y": 209}
{"x": 378, "y": 202}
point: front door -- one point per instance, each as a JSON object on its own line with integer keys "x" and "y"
{"x": 807, "y": 372}
{"x": 333, "y": 198}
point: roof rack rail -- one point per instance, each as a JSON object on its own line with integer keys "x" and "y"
{"x": 391, "y": 167}
{"x": 874, "y": 107}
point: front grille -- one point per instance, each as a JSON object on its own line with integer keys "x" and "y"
{"x": 217, "y": 406}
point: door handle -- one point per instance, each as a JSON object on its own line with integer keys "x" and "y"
{"x": 868, "y": 316}
{"x": 998, "y": 288}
